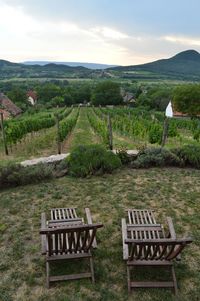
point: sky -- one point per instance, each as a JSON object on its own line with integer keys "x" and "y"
{"x": 121, "y": 32}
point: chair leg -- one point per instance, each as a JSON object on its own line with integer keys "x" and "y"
{"x": 48, "y": 273}
{"x": 92, "y": 269}
{"x": 129, "y": 279}
{"x": 174, "y": 280}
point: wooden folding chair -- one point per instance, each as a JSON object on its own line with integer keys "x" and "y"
{"x": 68, "y": 240}
{"x": 145, "y": 244}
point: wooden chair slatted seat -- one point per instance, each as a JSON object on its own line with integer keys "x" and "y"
{"x": 145, "y": 243}
{"x": 68, "y": 240}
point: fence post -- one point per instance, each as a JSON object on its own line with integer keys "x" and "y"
{"x": 110, "y": 135}
{"x": 165, "y": 131}
{"x": 58, "y": 134}
{"x": 4, "y": 134}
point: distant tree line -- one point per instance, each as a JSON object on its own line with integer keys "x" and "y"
{"x": 62, "y": 93}
{"x": 53, "y": 93}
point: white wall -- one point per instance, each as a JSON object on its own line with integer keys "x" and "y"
{"x": 169, "y": 111}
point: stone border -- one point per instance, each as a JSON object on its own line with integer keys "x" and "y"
{"x": 57, "y": 158}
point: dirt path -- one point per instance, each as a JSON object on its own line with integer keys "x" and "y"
{"x": 82, "y": 133}
{"x": 122, "y": 141}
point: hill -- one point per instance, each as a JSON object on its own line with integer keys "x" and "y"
{"x": 51, "y": 70}
{"x": 184, "y": 65}
{"x": 72, "y": 64}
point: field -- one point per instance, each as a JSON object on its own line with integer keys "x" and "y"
{"x": 171, "y": 192}
{"x": 36, "y": 136}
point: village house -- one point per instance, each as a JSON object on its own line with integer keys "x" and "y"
{"x": 32, "y": 97}
{"x": 128, "y": 97}
{"x": 172, "y": 112}
{"x": 8, "y": 108}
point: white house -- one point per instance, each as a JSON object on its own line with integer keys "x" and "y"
{"x": 171, "y": 112}
{"x": 32, "y": 97}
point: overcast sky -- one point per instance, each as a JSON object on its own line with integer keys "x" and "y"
{"x": 122, "y": 32}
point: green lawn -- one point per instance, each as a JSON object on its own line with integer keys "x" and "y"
{"x": 171, "y": 192}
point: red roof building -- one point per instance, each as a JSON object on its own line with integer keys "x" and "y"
{"x": 6, "y": 105}
{"x": 32, "y": 97}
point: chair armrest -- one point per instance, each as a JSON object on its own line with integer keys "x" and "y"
{"x": 43, "y": 236}
{"x": 124, "y": 237}
{"x": 89, "y": 221}
{"x": 172, "y": 233}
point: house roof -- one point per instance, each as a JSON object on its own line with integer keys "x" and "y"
{"x": 32, "y": 94}
{"x": 178, "y": 114}
{"x": 6, "y": 114}
{"x": 7, "y": 105}
{"x": 172, "y": 112}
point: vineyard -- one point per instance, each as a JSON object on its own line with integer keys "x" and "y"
{"x": 38, "y": 134}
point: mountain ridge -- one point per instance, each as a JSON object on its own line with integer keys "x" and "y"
{"x": 185, "y": 63}
{"x": 182, "y": 66}
{"x": 71, "y": 64}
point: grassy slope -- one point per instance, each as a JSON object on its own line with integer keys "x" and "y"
{"x": 173, "y": 192}
{"x": 82, "y": 133}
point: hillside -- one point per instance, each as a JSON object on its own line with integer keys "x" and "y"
{"x": 72, "y": 64}
{"x": 15, "y": 70}
{"x": 184, "y": 65}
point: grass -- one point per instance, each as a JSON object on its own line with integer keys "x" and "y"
{"x": 82, "y": 133}
{"x": 171, "y": 192}
{"x": 37, "y": 144}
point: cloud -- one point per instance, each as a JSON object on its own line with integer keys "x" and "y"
{"x": 28, "y": 38}
{"x": 109, "y": 33}
{"x": 183, "y": 40}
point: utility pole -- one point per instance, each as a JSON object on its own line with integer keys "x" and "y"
{"x": 58, "y": 134}
{"x": 4, "y": 134}
{"x": 110, "y": 135}
{"x": 165, "y": 131}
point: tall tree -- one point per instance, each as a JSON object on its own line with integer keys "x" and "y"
{"x": 107, "y": 93}
{"x": 186, "y": 99}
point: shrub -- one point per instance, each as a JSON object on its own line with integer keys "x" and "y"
{"x": 16, "y": 174}
{"x": 189, "y": 154}
{"x": 196, "y": 134}
{"x": 87, "y": 160}
{"x": 151, "y": 157}
{"x": 172, "y": 130}
{"x": 155, "y": 134}
{"x": 123, "y": 155}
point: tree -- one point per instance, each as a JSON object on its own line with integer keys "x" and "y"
{"x": 68, "y": 99}
{"x": 186, "y": 99}
{"x": 156, "y": 98}
{"x": 17, "y": 95}
{"x": 57, "y": 101}
{"x": 107, "y": 93}
{"x": 48, "y": 91}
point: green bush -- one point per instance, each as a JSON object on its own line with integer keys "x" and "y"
{"x": 87, "y": 160}
{"x": 155, "y": 133}
{"x": 196, "y": 134}
{"x": 159, "y": 157}
{"x": 123, "y": 155}
{"x": 16, "y": 174}
{"x": 172, "y": 130}
{"x": 189, "y": 154}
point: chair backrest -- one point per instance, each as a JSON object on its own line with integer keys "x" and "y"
{"x": 158, "y": 249}
{"x": 70, "y": 239}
